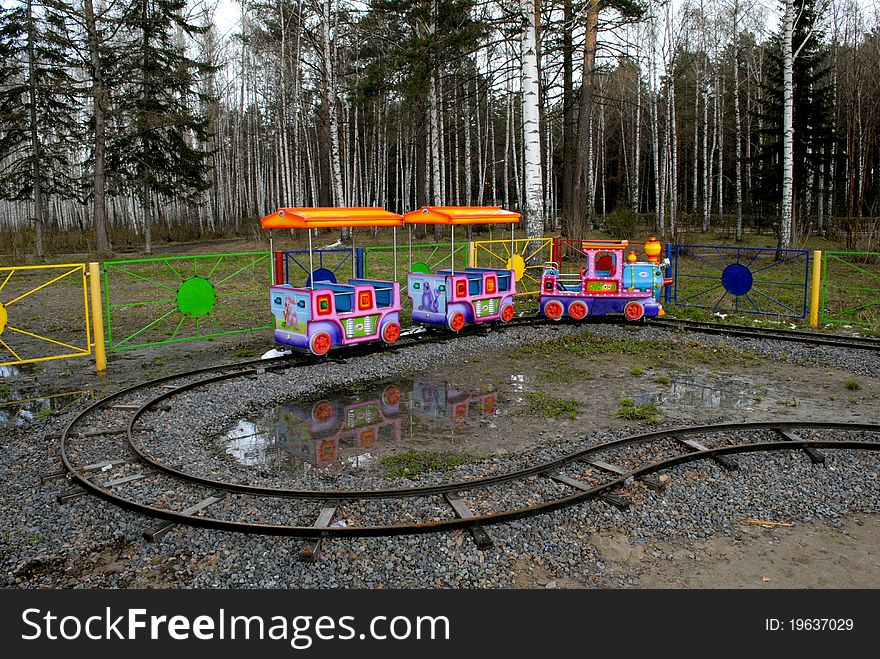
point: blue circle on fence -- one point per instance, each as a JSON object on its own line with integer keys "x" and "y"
{"x": 322, "y": 274}
{"x": 736, "y": 279}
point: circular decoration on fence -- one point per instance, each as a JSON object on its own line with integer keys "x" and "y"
{"x": 321, "y": 274}
{"x": 736, "y": 279}
{"x": 421, "y": 267}
{"x": 195, "y": 297}
{"x": 517, "y": 264}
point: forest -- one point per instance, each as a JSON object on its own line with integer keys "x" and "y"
{"x": 128, "y": 122}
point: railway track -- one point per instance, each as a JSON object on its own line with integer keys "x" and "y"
{"x": 743, "y": 331}
{"x": 106, "y": 451}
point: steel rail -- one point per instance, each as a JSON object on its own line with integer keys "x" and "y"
{"x": 476, "y": 521}
{"x": 816, "y": 338}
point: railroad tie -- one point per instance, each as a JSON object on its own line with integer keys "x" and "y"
{"x": 311, "y": 548}
{"x": 481, "y": 537}
{"x": 816, "y": 457}
{"x": 724, "y": 460}
{"x": 157, "y": 532}
{"x": 650, "y": 481}
{"x": 614, "y": 499}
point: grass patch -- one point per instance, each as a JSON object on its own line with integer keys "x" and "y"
{"x": 4, "y": 390}
{"x": 853, "y": 385}
{"x": 630, "y": 410}
{"x": 244, "y": 352}
{"x": 662, "y": 379}
{"x": 554, "y": 408}
{"x": 635, "y": 370}
{"x": 411, "y": 463}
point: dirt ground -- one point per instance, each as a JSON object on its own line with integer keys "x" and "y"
{"x": 819, "y": 555}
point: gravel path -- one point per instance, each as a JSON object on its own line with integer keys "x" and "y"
{"x": 92, "y": 543}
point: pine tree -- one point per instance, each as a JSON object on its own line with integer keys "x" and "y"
{"x": 39, "y": 129}
{"x": 157, "y": 149}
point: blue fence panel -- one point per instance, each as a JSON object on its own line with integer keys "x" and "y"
{"x": 329, "y": 264}
{"x": 747, "y": 280}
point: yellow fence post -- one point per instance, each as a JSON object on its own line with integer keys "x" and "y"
{"x": 97, "y": 317}
{"x": 815, "y": 288}
{"x": 472, "y": 254}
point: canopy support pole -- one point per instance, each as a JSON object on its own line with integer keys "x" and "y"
{"x": 311, "y": 264}
{"x": 452, "y": 253}
{"x": 394, "y": 234}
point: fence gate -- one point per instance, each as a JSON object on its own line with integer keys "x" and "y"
{"x": 525, "y": 256}
{"x": 183, "y": 298}
{"x": 850, "y": 288}
{"x": 44, "y": 313}
{"x": 747, "y": 280}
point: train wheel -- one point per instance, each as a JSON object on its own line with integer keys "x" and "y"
{"x": 633, "y": 310}
{"x": 507, "y": 313}
{"x": 322, "y": 412}
{"x": 553, "y": 310}
{"x": 577, "y": 310}
{"x": 391, "y": 333}
{"x": 456, "y": 321}
{"x": 320, "y": 343}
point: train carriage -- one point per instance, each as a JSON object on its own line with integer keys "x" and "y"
{"x": 324, "y": 314}
{"x": 456, "y": 297}
{"x": 611, "y": 281}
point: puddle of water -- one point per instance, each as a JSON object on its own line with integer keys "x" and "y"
{"x": 349, "y": 432}
{"x": 17, "y": 411}
{"x": 706, "y": 393}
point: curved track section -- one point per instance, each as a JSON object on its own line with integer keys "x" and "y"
{"x": 102, "y": 451}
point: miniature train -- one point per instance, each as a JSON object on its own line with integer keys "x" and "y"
{"x": 325, "y": 313}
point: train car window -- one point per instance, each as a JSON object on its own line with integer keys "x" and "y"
{"x": 605, "y": 264}
{"x": 344, "y": 301}
{"x": 548, "y": 285}
{"x": 384, "y": 297}
{"x": 365, "y": 300}
{"x": 504, "y": 282}
{"x": 475, "y": 285}
{"x": 490, "y": 285}
{"x": 460, "y": 289}
{"x": 324, "y": 307}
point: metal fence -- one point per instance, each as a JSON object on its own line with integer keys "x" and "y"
{"x": 379, "y": 262}
{"x": 44, "y": 313}
{"x": 525, "y": 256}
{"x": 747, "y": 280}
{"x": 329, "y": 265}
{"x": 183, "y": 298}
{"x": 850, "y": 292}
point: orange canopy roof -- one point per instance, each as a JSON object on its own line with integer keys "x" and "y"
{"x": 461, "y": 215}
{"x": 315, "y": 218}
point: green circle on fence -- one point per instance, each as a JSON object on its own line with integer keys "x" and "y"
{"x": 195, "y": 297}
{"x": 421, "y": 268}
{"x": 4, "y": 316}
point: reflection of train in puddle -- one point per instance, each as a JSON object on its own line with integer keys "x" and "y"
{"x": 321, "y": 433}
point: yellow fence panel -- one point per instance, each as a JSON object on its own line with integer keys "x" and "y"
{"x": 44, "y": 313}
{"x": 525, "y": 256}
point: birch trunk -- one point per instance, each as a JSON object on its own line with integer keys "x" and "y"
{"x": 787, "y": 210}
{"x": 99, "y": 106}
{"x": 36, "y": 150}
{"x": 534, "y": 189}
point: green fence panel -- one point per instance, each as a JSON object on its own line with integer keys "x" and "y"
{"x": 850, "y": 288}
{"x": 184, "y": 298}
{"x": 379, "y": 261}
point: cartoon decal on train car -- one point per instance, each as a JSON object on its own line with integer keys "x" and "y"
{"x": 609, "y": 282}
